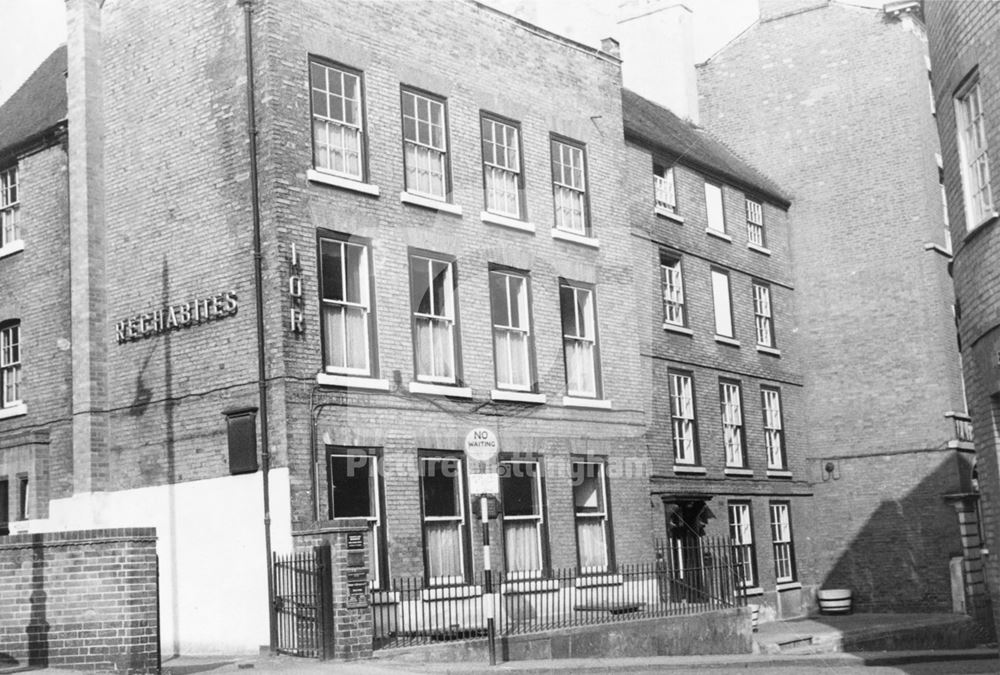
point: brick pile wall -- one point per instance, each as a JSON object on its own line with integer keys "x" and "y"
{"x": 85, "y": 599}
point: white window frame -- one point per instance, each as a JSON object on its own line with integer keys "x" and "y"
{"x": 665, "y": 188}
{"x": 580, "y": 338}
{"x": 731, "y": 404}
{"x": 425, "y": 141}
{"x": 458, "y": 519}
{"x": 445, "y": 316}
{"x": 345, "y": 307}
{"x": 755, "y": 222}
{"x": 10, "y": 202}
{"x": 569, "y": 187}
{"x": 510, "y": 334}
{"x": 502, "y": 178}
{"x": 598, "y": 512}
{"x": 973, "y": 150}
{"x": 781, "y": 539}
{"x": 374, "y": 516}
{"x": 10, "y": 365}
{"x": 715, "y": 210}
{"x": 741, "y": 537}
{"x": 516, "y": 468}
{"x": 683, "y": 415}
{"x": 341, "y": 129}
{"x": 774, "y": 434}
{"x": 722, "y": 303}
{"x": 672, "y": 284}
{"x": 763, "y": 319}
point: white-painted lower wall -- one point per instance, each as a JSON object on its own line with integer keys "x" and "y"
{"x": 210, "y": 541}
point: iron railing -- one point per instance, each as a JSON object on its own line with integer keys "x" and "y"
{"x": 684, "y": 579}
{"x": 303, "y": 603}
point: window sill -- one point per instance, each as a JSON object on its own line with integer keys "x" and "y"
{"x": 385, "y": 597}
{"x": 450, "y": 593}
{"x": 681, "y": 468}
{"x": 722, "y": 339}
{"x": 668, "y": 214}
{"x": 430, "y": 203}
{"x": 779, "y": 473}
{"x": 680, "y": 330}
{"x": 759, "y": 249}
{"x": 507, "y": 221}
{"x": 737, "y": 471}
{"x": 351, "y": 184}
{"x": 971, "y": 231}
{"x": 768, "y": 350}
{"x": 16, "y": 410}
{"x": 12, "y": 248}
{"x": 449, "y": 390}
{"x": 575, "y": 402}
{"x": 931, "y": 246}
{"x": 788, "y": 585}
{"x": 720, "y": 235}
{"x": 599, "y": 580}
{"x": 351, "y": 382}
{"x": 529, "y": 586}
{"x": 517, "y": 396}
{"x": 575, "y": 238}
{"x": 752, "y": 590}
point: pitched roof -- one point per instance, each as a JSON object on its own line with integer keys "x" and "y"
{"x": 38, "y": 105}
{"x": 652, "y": 124}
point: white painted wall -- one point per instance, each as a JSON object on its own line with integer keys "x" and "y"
{"x": 210, "y": 541}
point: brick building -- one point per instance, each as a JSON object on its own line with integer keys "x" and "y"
{"x": 966, "y": 80}
{"x": 818, "y": 94}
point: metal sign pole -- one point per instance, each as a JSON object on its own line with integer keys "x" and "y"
{"x": 488, "y": 579}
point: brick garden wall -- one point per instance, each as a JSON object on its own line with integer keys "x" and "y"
{"x": 85, "y": 599}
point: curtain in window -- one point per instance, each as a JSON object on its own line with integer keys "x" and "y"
{"x": 434, "y": 348}
{"x": 590, "y": 539}
{"x": 512, "y": 358}
{"x": 444, "y": 549}
{"x": 522, "y": 546}
{"x": 425, "y": 170}
{"x": 346, "y": 330}
{"x": 580, "y": 367}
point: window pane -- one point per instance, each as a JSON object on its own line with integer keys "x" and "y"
{"x": 587, "y": 492}
{"x": 444, "y": 549}
{"x": 518, "y": 489}
{"x": 720, "y": 296}
{"x": 333, "y": 270}
{"x": 522, "y": 546}
{"x": 442, "y": 488}
{"x": 351, "y": 482}
{"x": 713, "y": 205}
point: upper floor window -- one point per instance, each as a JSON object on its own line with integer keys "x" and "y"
{"x": 502, "y": 167}
{"x": 9, "y": 203}
{"x": 755, "y": 222}
{"x": 741, "y": 536}
{"x": 974, "y": 157}
{"x": 426, "y": 145}
{"x": 348, "y": 320}
{"x": 569, "y": 187}
{"x": 10, "y": 364}
{"x": 682, "y": 414}
{"x": 781, "y": 538}
{"x": 722, "y": 304}
{"x": 774, "y": 435}
{"x": 579, "y": 339}
{"x": 673, "y": 290}
{"x": 590, "y": 507}
{"x": 442, "y": 491}
{"x": 730, "y": 400}
{"x": 523, "y": 520}
{"x": 664, "y": 189}
{"x": 338, "y": 134}
{"x": 511, "y": 330}
{"x": 432, "y": 292}
{"x": 762, "y": 314}
{"x": 713, "y": 207}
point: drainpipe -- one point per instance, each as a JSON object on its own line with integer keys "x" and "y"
{"x": 265, "y": 453}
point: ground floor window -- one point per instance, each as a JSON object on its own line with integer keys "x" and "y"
{"x": 523, "y": 519}
{"x": 442, "y": 493}
{"x": 590, "y": 501}
{"x": 741, "y": 537}
{"x": 356, "y": 492}
{"x": 781, "y": 538}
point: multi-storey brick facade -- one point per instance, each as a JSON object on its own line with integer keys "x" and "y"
{"x": 965, "y": 81}
{"x": 820, "y": 95}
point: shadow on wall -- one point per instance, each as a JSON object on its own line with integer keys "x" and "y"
{"x": 38, "y": 627}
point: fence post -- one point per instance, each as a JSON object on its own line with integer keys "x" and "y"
{"x": 324, "y": 602}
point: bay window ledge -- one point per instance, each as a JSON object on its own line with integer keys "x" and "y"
{"x": 575, "y": 238}
{"x": 449, "y": 390}
{"x": 719, "y": 234}
{"x": 673, "y": 328}
{"x": 13, "y": 247}
{"x": 737, "y": 471}
{"x": 517, "y": 396}
{"x": 789, "y": 585}
{"x": 529, "y": 586}
{"x": 722, "y": 339}
{"x": 779, "y": 473}
{"x": 13, "y": 411}
{"x": 430, "y": 203}
{"x": 352, "y": 184}
{"x": 450, "y": 592}
{"x": 593, "y": 580}
{"x": 752, "y": 590}
{"x": 681, "y": 468}
{"x": 506, "y": 221}
{"x": 667, "y": 213}
{"x": 771, "y": 351}
{"x": 576, "y": 402}
{"x": 351, "y": 382}
{"x": 385, "y": 597}
{"x": 758, "y": 248}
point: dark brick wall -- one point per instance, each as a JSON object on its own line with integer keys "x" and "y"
{"x": 85, "y": 600}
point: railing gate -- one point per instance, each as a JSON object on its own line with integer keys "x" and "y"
{"x": 303, "y": 601}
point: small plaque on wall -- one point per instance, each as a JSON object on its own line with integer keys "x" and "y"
{"x": 355, "y": 541}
